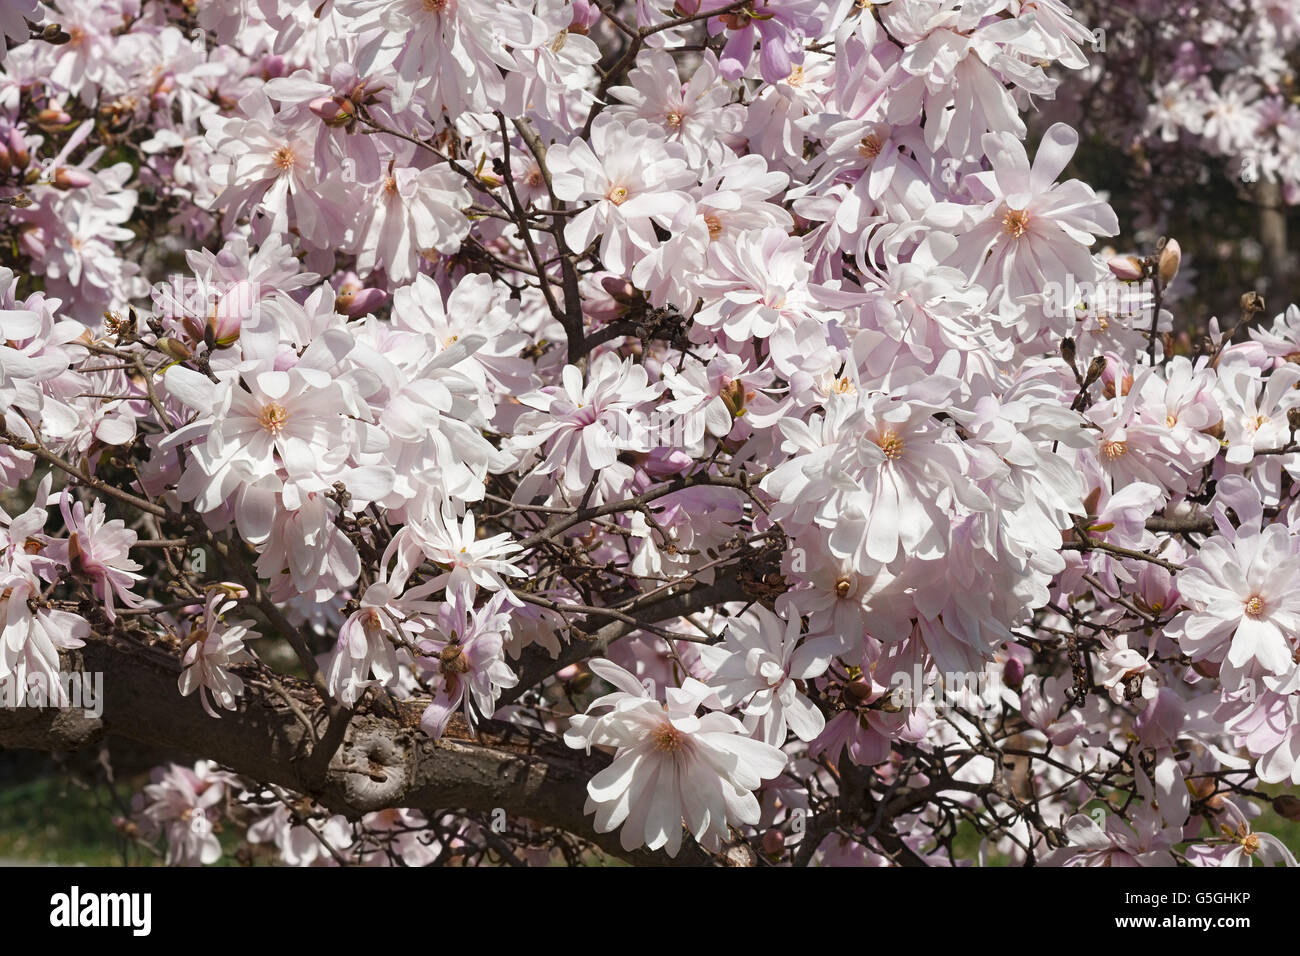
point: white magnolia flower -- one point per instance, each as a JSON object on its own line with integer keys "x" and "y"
{"x": 584, "y": 427}
{"x": 213, "y": 647}
{"x": 413, "y": 214}
{"x": 669, "y": 764}
{"x": 757, "y": 668}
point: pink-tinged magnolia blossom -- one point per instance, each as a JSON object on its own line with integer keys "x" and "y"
{"x": 463, "y": 660}
{"x": 183, "y": 804}
{"x": 464, "y": 559}
{"x": 1242, "y": 594}
{"x": 450, "y": 54}
{"x": 669, "y": 764}
{"x": 632, "y": 178}
{"x": 412, "y": 216}
{"x": 1114, "y": 843}
{"x": 212, "y": 647}
{"x": 1032, "y": 230}
{"x": 755, "y": 283}
{"x": 872, "y": 470}
{"x": 778, "y": 26}
{"x": 757, "y": 668}
{"x": 98, "y": 551}
{"x": 580, "y": 427}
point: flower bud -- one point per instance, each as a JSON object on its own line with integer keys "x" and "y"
{"x": 585, "y": 16}
{"x": 51, "y": 119}
{"x": 1287, "y": 806}
{"x": 222, "y": 330}
{"x": 273, "y": 66}
{"x": 6, "y": 167}
{"x": 18, "y": 153}
{"x": 359, "y": 302}
{"x": 173, "y": 348}
{"x": 227, "y": 315}
{"x": 1252, "y": 302}
{"x": 1293, "y": 419}
{"x": 773, "y": 842}
{"x": 1170, "y": 258}
{"x": 1068, "y": 351}
{"x": 66, "y": 178}
{"x": 1013, "y": 673}
{"x": 1112, "y": 383}
{"x": 1125, "y": 268}
{"x": 1095, "y": 368}
{"x": 619, "y": 289}
{"x": 336, "y": 111}
{"x": 666, "y": 462}
{"x": 686, "y": 8}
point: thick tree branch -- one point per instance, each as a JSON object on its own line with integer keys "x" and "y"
{"x": 384, "y": 761}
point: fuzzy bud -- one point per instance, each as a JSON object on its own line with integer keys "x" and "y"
{"x": 1068, "y": 351}
{"x": 1095, "y": 368}
{"x": 51, "y": 119}
{"x": 1013, "y": 673}
{"x": 173, "y": 348}
{"x": 358, "y": 302}
{"x": 336, "y": 111}
{"x": 1125, "y": 268}
{"x": 66, "y": 178}
{"x": 18, "y": 153}
{"x": 1171, "y": 256}
{"x": 619, "y": 289}
{"x": 1287, "y": 806}
{"x": 773, "y": 842}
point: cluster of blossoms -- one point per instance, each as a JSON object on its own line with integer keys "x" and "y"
{"x": 735, "y": 376}
{"x": 1217, "y": 77}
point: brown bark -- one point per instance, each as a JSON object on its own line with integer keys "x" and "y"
{"x": 384, "y": 759}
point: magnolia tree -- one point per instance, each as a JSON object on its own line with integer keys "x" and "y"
{"x": 532, "y": 432}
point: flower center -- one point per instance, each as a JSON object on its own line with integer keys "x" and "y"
{"x": 433, "y": 6}
{"x": 1015, "y": 223}
{"x": 669, "y": 739}
{"x": 390, "y": 185}
{"x": 843, "y": 585}
{"x": 714, "y": 224}
{"x": 284, "y": 158}
{"x": 272, "y": 417}
{"x": 618, "y": 195}
{"x": 1114, "y": 449}
{"x": 674, "y": 119}
{"x": 1250, "y": 843}
{"x": 452, "y": 660}
{"x": 561, "y": 38}
{"x": 890, "y": 444}
{"x": 796, "y": 76}
{"x": 870, "y": 146}
{"x": 1254, "y": 606}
